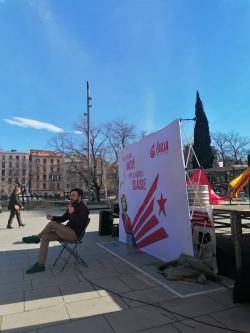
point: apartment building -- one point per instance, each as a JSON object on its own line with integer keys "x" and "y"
{"x": 46, "y": 173}
{"x": 14, "y": 169}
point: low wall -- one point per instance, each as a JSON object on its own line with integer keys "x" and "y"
{"x": 40, "y": 204}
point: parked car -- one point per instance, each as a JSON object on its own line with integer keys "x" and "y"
{"x": 29, "y": 198}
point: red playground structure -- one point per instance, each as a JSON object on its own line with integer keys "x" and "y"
{"x": 199, "y": 177}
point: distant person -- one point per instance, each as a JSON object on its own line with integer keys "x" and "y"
{"x": 15, "y": 207}
{"x": 77, "y": 214}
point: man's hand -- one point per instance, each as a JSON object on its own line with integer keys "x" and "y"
{"x": 49, "y": 217}
{"x": 71, "y": 209}
{"x": 17, "y": 207}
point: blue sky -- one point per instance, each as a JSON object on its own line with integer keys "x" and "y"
{"x": 144, "y": 59}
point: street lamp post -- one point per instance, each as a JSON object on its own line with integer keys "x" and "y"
{"x": 88, "y": 136}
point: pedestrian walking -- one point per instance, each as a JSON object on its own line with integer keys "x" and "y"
{"x": 15, "y": 207}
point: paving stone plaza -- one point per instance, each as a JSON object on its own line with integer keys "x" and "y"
{"x": 55, "y": 301}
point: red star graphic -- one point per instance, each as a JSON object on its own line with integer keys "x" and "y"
{"x": 161, "y": 203}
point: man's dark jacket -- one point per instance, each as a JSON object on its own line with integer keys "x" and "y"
{"x": 78, "y": 220}
{"x": 14, "y": 200}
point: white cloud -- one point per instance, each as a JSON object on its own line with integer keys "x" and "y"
{"x": 32, "y": 123}
{"x": 77, "y": 132}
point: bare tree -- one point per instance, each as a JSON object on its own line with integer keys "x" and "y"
{"x": 231, "y": 147}
{"x": 237, "y": 147}
{"x": 74, "y": 153}
{"x": 119, "y": 134}
{"x": 142, "y": 134}
{"x": 75, "y": 150}
{"x": 97, "y": 153}
{"x": 221, "y": 145}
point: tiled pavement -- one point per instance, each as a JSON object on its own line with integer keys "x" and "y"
{"x": 52, "y": 301}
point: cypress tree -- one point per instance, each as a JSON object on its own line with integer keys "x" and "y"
{"x": 202, "y": 140}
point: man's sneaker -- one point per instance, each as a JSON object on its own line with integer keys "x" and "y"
{"x": 31, "y": 239}
{"x": 9, "y": 226}
{"x": 36, "y": 268}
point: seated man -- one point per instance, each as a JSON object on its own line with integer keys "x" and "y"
{"x": 77, "y": 214}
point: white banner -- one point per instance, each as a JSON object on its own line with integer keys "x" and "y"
{"x": 154, "y": 214}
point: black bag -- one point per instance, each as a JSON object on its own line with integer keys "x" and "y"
{"x": 241, "y": 290}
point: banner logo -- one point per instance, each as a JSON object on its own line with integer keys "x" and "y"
{"x": 159, "y": 148}
{"x": 152, "y": 151}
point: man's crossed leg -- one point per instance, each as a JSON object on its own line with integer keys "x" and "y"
{"x": 52, "y": 232}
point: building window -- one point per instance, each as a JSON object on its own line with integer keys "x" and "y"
{"x": 9, "y": 180}
{"x": 44, "y": 177}
{"x": 10, "y": 165}
{"x": 3, "y": 172}
{"x": 37, "y": 177}
{"x": 17, "y": 158}
{"x": 58, "y": 186}
{"x": 3, "y": 165}
{"x": 44, "y": 161}
{"x": 37, "y": 186}
{"x": 44, "y": 169}
{"x": 44, "y": 186}
{"x": 3, "y": 157}
{"x": 24, "y": 158}
{"x": 58, "y": 161}
{"x": 10, "y": 157}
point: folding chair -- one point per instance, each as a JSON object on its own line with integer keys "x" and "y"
{"x": 71, "y": 250}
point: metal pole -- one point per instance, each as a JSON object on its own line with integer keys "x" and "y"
{"x": 106, "y": 182}
{"x": 88, "y": 137}
{"x": 236, "y": 232}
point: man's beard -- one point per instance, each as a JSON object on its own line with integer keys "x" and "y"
{"x": 74, "y": 201}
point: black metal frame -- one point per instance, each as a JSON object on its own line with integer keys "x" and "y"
{"x": 220, "y": 223}
{"x": 71, "y": 250}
